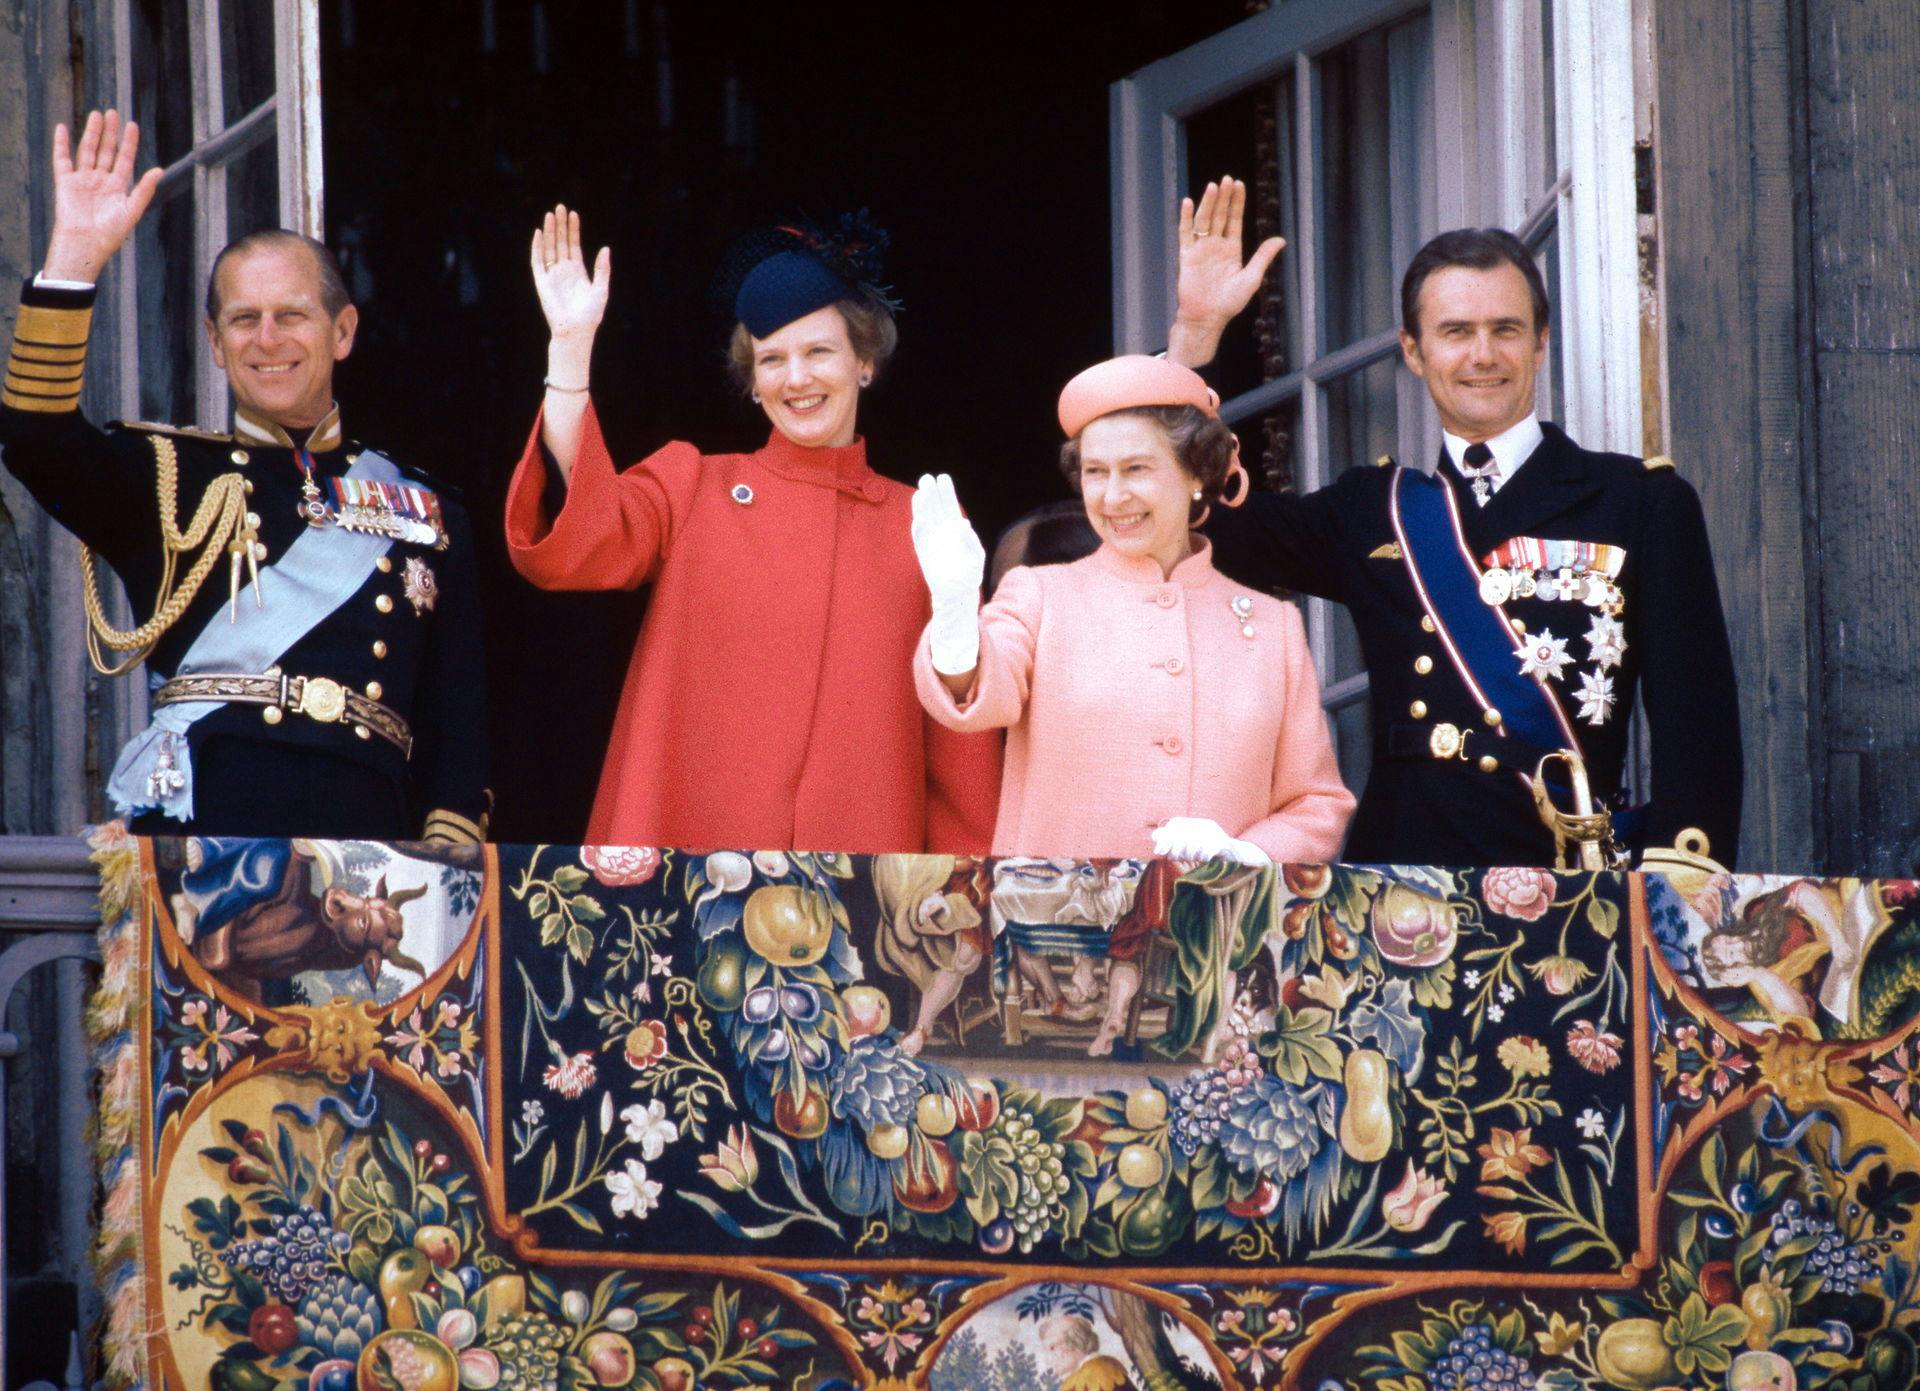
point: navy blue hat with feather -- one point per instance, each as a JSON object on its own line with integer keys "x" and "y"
{"x": 778, "y": 274}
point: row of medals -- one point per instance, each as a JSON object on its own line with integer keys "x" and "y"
{"x": 1589, "y": 587}
{"x": 378, "y": 521}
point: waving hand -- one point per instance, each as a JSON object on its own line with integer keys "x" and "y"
{"x": 95, "y": 200}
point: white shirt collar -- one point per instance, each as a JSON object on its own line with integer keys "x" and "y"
{"x": 1511, "y": 448}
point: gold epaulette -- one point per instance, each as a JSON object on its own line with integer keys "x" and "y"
{"x": 1384, "y": 461}
{"x": 48, "y": 360}
{"x": 1657, "y": 462}
{"x": 155, "y": 427}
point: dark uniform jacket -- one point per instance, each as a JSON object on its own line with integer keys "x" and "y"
{"x": 1417, "y": 809}
{"x": 418, "y": 653}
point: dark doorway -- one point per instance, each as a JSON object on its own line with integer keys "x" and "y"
{"x": 976, "y": 134}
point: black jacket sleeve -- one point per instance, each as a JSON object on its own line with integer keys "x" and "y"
{"x": 450, "y": 705}
{"x": 1281, "y": 541}
{"x": 97, "y": 485}
{"x": 1687, "y": 679}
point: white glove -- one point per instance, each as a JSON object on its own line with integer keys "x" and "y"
{"x": 1195, "y": 838}
{"x": 952, "y": 561}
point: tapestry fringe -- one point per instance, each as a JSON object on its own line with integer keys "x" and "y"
{"x": 113, "y": 1027}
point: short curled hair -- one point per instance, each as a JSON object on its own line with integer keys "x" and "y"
{"x": 332, "y": 287}
{"x": 1476, "y": 248}
{"x": 870, "y": 328}
{"x": 1202, "y": 445}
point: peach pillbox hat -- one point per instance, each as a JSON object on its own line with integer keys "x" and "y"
{"x": 1123, "y": 383}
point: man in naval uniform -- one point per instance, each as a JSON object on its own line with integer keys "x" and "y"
{"x": 307, "y": 610}
{"x": 1573, "y": 581}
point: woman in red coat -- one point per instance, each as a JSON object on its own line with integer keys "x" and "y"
{"x": 770, "y": 702}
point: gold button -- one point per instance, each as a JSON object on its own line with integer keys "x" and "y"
{"x": 383, "y": 565}
{"x": 1426, "y": 623}
{"x": 362, "y": 731}
{"x": 1519, "y": 625}
{"x": 239, "y": 456}
{"x": 1423, "y": 665}
{"x": 375, "y": 690}
{"x": 272, "y": 714}
{"x": 246, "y": 486}
{"x": 1489, "y": 764}
{"x": 354, "y": 457}
{"x": 383, "y": 603}
{"x": 1492, "y": 717}
{"x": 271, "y": 671}
{"x": 380, "y": 647}
{"x": 1418, "y": 709}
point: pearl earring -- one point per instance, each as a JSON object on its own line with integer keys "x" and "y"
{"x": 756, "y": 397}
{"x": 1197, "y": 495}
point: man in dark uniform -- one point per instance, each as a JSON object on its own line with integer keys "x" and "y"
{"x": 314, "y": 644}
{"x": 1594, "y": 567}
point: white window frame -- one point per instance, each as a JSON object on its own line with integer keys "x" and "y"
{"x": 290, "y": 118}
{"x": 1490, "y": 167}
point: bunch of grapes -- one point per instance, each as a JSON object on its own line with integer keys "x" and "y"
{"x": 1842, "y": 1265}
{"x": 1041, "y": 1198}
{"x": 1200, "y": 1103}
{"x": 528, "y": 1345}
{"x": 1472, "y": 1361}
{"x": 292, "y": 1257}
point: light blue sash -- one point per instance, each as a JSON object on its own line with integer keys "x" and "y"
{"x": 320, "y": 571}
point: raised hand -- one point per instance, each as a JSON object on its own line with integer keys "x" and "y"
{"x": 95, "y": 200}
{"x": 573, "y": 301}
{"x": 953, "y": 562}
{"x": 951, "y": 556}
{"x": 1214, "y": 283}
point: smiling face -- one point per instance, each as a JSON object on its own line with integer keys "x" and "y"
{"x": 274, "y": 338}
{"x": 807, "y": 376}
{"x": 1478, "y": 351}
{"x": 1138, "y": 497}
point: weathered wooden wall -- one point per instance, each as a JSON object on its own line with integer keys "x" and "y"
{"x": 1788, "y": 150}
{"x": 1863, "y": 175}
{"x": 1728, "y": 195}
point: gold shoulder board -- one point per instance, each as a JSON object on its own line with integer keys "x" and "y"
{"x": 1384, "y": 461}
{"x": 154, "y": 427}
{"x": 1657, "y": 462}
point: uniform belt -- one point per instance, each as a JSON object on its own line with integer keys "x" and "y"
{"x": 319, "y": 698}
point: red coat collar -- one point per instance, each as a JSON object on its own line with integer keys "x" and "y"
{"x": 844, "y": 468}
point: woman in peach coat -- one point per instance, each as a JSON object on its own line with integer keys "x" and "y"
{"x": 1152, "y": 705}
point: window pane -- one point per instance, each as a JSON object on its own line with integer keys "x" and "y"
{"x": 1249, "y": 136}
{"x": 1362, "y": 416}
{"x": 170, "y": 312}
{"x": 246, "y": 55}
{"x": 1375, "y": 101}
{"x": 162, "y": 79}
{"x": 1551, "y": 398}
{"x": 253, "y": 190}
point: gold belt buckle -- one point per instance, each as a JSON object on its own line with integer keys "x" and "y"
{"x": 323, "y": 699}
{"x": 1448, "y": 741}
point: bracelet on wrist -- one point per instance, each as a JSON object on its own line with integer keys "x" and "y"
{"x": 553, "y": 385}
